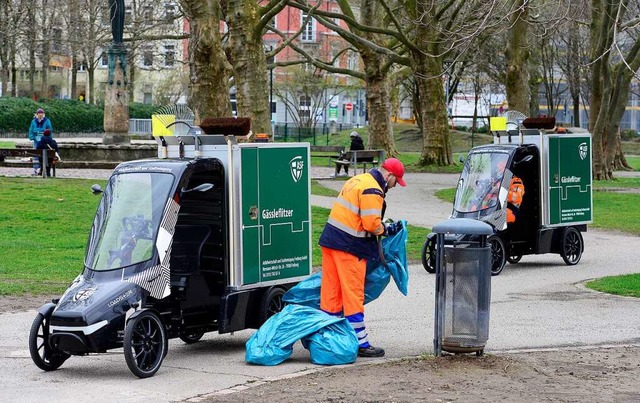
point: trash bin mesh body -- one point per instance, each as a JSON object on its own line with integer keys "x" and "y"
{"x": 467, "y": 295}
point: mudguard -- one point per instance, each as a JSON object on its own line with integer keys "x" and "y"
{"x": 46, "y": 309}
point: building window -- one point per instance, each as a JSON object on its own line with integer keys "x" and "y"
{"x": 169, "y": 11}
{"x": 309, "y": 31}
{"x": 104, "y": 59}
{"x": 336, "y": 10}
{"x": 169, "y": 55}
{"x": 147, "y": 57}
{"x": 304, "y": 112}
{"x": 147, "y": 14}
{"x": 147, "y": 98}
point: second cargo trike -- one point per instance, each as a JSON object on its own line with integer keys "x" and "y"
{"x": 183, "y": 246}
{"x": 533, "y": 186}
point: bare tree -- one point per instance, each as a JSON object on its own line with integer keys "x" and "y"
{"x": 615, "y": 55}
{"x": 209, "y": 68}
{"x": 304, "y": 89}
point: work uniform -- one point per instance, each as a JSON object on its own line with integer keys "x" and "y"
{"x": 514, "y": 198}
{"x": 348, "y": 241}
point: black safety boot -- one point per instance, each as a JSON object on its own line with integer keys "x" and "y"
{"x": 370, "y": 351}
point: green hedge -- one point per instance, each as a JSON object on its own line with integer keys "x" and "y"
{"x": 68, "y": 116}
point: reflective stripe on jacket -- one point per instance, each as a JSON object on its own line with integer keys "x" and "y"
{"x": 356, "y": 216}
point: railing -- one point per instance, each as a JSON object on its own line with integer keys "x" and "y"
{"x": 139, "y": 126}
{"x": 316, "y": 135}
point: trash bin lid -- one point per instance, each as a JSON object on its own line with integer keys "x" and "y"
{"x": 463, "y": 226}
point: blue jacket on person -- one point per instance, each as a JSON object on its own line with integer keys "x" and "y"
{"x": 38, "y": 126}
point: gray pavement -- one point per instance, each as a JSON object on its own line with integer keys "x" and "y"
{"x": 538, "y": 303}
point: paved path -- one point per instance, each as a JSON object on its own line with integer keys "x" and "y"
{"x": 538, "y": 303}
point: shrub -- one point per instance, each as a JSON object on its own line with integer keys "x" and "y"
{"x": 69, "y": 116}
{"x": 628, "y": 135}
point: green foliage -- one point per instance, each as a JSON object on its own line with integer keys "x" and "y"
{"x": 628, "y": 135}
{"x": 628, "y": 285}
{"x": 68, "y": 116}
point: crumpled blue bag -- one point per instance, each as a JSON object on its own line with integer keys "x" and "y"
{"x": 273, "y": 342}
{"x": 329, "y": 339}
{"x": 336, "y": 344}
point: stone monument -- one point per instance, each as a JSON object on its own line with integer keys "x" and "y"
{"x": 116, "y": 99}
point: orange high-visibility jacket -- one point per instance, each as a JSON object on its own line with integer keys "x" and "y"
{"x": 514, "y": 198}
{"x": 356, "y": 216}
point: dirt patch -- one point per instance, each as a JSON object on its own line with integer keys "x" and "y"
{"x": 23, "y": 303}
{"x": 569, "y": 375}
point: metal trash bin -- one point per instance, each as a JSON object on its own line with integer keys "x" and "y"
{"x": 463, "y": 286}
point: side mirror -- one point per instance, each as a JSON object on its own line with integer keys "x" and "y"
{"x": 461, "y": 159}
{"x": 200, "y": 188}
{"x": 96, "y": 189}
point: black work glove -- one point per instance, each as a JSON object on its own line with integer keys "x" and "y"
{"x": 392, "y": 228}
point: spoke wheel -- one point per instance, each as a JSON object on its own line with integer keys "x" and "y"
{"x": 429, "y": 255}
{"x": 191, "y": 337}
{"x": 41, "y": 352}
{"x": 498, "y": 254}
{"x": 572, "y": 246}
{"x": 145, "y": 344}
{"x": 271, "y": 303}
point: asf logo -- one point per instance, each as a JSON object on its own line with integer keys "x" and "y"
{"x": 583, "y": 150}
{"x": 297, "y": 167}
{"x": 84, "y": 294}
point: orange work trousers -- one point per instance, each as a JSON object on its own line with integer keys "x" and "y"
{"x": 342, "y": 288}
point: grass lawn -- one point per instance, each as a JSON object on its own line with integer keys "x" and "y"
{"x": 7, "y": 144}
{"x": 628, "y": 285}
{"x": 45, "y": 225}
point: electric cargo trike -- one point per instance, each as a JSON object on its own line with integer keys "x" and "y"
{"x": 555, "y": 170}
{"x": 184, "y": 246}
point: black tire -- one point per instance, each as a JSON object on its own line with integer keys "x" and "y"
{"x": 572, "y": 246}
{"x": 514, "y": 258}
{"x": 271, "y": 303}
{"x": 429, "y": 255}
{"x": 145, "y": 344}
{"x": 41, "y": 352}
{"x": 191, "y": 337}
{"x": 498, "y": 254}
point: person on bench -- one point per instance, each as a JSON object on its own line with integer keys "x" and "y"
{"x": 356, "y": 144}
{"x": 47, "y": 143}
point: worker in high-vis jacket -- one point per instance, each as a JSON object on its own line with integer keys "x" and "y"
{"x": 350, "y": 239}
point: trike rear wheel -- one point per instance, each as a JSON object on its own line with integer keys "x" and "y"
{"x": 572, "y": 246}
{"x": 145, "y": 344}
{"x": 271, "y": 303}
{"x": 498, "y": 254}
{"x": 429, "y": 255}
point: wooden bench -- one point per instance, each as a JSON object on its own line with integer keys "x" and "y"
{"x": 17, "y": 156}
{"x": 362, "y": 157}
{"x": 330, "y": 152}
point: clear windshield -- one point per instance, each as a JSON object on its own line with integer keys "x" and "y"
{"x": 479, "y": 184}
{"x": 126, "y": 224}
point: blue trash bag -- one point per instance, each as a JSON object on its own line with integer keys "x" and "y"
{"x": 336, "y": 344}
{"x": 273, "y": 342}
{"x": 394, "y": 249}
{"x": 306, "y": 292}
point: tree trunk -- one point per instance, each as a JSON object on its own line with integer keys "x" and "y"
{"x": 517, "y": 56}
{"x": 380, "y": 131}
{"x": 208, "y": 67}
{"x": 247, "y": 56}
{"x": 90, "y": 74}
{"x": 436, "y": 149}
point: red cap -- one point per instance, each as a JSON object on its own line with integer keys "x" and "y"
{"x": 394, "y": 166}
{"x": 46, "y": 132}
